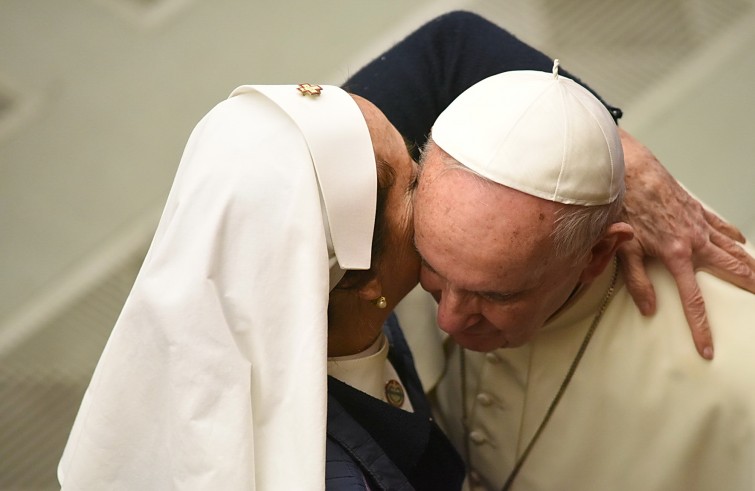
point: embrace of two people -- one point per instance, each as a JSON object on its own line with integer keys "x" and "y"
{"x": 258, "y": 349}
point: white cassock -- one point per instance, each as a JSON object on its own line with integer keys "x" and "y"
{"x": 643, "y": 412}
{"x": 214, "y": 377}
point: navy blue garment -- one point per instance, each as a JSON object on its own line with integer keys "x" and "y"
{"x": 370, "y": 441}
{"x": 414, "y": 81}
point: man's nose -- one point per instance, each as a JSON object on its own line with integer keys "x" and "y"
{"x": 457, "y": 310}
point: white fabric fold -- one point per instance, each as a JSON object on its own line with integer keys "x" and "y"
{"x": 215, "y": 373}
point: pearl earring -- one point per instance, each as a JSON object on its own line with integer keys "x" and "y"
{"x": 380, "y": 302}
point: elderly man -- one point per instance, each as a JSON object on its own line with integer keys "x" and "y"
{"x": 418, "y": 77}
{"x": 563, "y": 383}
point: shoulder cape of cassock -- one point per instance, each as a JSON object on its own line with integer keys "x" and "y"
{"x": 214, "y": 376}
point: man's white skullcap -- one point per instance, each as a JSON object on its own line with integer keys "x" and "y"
{"x": 537, "y": 132}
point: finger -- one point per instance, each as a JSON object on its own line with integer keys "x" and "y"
{"x": 694, "y": 310}
{"x": 637, "y": 281}
{"x": 734, "y": 248}
{"x": 722, "y": 226}
{"x": 727, "y": 260}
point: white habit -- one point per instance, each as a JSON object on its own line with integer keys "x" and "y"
{"x": 214, "y": 377}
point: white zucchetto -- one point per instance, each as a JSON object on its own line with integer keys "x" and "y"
{"x": 537, "y": 132}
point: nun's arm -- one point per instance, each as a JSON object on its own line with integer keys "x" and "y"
{"x": 414, "y": 81}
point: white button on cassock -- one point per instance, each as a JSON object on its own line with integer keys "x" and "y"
{"x": 484, "y": 399}
{"x": 477, "y": 437}
{"x": 474, "y": 477}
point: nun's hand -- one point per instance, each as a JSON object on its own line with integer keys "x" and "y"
{"x": 674, "y": 227}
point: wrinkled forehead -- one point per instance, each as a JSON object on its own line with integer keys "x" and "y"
{"x": 452, "y": 197}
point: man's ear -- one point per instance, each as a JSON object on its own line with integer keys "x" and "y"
{"x": 605, "y": 249}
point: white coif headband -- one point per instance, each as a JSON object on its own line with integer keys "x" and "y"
{"x": 537, "y": 132}
{"x": 214, "y": 376}
{"x": 339, "y": 173}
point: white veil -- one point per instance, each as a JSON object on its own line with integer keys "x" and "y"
{"x": 214, "y": 377}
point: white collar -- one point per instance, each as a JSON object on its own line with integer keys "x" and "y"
{"x": 368, "y": 371}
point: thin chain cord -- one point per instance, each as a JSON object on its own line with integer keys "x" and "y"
{"x": 464, "y": 415}
{"x": 565, "y": 383}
